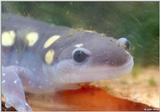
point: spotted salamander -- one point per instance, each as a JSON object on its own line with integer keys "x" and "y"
{"x": 39, "y": 58}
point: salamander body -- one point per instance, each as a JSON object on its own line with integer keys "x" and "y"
{"x": 38, "y": 57}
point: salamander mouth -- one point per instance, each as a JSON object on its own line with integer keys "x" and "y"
{"x": 120, "y": 70}
{"x": 96, "y": 73}
{"x": 108, "y": 72}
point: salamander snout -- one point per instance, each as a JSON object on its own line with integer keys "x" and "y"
{"x": 119, "y": 55}
{"x": 103, "y": 51}
{"x": 111, "y": 53}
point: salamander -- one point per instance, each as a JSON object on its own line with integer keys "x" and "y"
{"x": 39, "y": 57}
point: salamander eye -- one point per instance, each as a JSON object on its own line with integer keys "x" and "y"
{"x": 123, "y": 42}
{"x": 80, "y": 55}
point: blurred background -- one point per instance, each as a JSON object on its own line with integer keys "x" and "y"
{"x": 137, "y": 21}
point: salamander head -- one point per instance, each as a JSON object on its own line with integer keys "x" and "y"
{"x": 92, "y": 57}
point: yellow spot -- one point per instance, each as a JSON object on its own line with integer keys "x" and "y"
{"x": 8, "y": 38}
{"x": 51, "y": 40}
{"x": 49, "y": 56}
{"x": 31, "y": 38}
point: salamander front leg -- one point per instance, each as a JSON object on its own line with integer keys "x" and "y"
{"x": 12, "y": 89}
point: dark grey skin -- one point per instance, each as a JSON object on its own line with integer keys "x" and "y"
{"x": 80, "y": 56}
